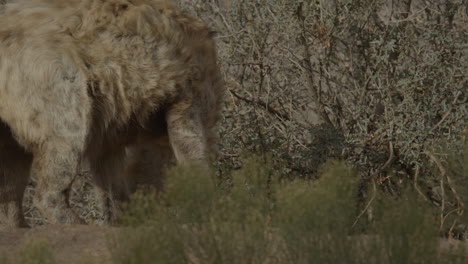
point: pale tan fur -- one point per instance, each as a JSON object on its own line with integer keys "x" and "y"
{"x": 100, "y": 80}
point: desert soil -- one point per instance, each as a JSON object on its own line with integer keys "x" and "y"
{"x": 79, "y": 243}
{"x": 69, "y": 244}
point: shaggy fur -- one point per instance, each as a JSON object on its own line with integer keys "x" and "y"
{"x": 100, "y": 80}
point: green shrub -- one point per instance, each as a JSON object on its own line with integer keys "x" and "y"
{"x": 260, "y": 219}
{"x": 315, "y": 219}
{"x": 195, "y": 221}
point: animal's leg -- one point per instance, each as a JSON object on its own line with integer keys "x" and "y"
{"x": 186, "y": 133}
{"x": 108, "y": 170}
{"x": 55, "y": 165}
{"x": 148, "y": 162}
{"x": 14, "y": 175}
{"x": 15, "y": 164}
{"x": 48, "y": 109}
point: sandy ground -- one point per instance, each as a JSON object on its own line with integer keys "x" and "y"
{"x": 69, "y": 244}
{"x": 90, "y": 244}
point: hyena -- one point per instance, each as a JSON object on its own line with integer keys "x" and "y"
{"x": 103, "y": 81}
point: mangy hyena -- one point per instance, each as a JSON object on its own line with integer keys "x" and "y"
{"x": 99, "y": 80}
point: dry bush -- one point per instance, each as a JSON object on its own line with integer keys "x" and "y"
{"x": 381, "y": 83}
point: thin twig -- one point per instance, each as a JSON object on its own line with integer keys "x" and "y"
{"x": 232, "y": 34}
{"x": 260, "y": 103}
{"x": 460, "y": 204}
{"x": 449, "y": 213}
{"x": 450, "y": 232}
{"x": 449, "y": 181}
{"x": 374, "y": 193}
{"x": 415, "y": 183}
{"x": 231, "y": 155}
{"x": 389, "y": 161}
{"x": 446, "y": 113}
{"x": 373, "y": 178}
{"x": 442, "y": 207}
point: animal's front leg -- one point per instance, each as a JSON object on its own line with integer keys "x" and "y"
{"x": 186, "y": 134}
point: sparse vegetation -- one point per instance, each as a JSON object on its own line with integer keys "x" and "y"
{"x": 259, "y": 219}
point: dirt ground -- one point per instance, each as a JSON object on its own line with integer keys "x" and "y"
{"x": 90, "y": 244}
{"x": 69, "y": 244}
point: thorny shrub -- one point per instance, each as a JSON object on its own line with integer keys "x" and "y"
{"x": 381, "y": 83}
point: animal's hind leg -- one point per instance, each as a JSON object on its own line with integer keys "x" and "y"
{"x": 15, "y": 165}
{"x": 108, "y": 172}
{"x": 54, "y": 167}
{"x": 49, "y": 113}
{"x": 148, "y": 161}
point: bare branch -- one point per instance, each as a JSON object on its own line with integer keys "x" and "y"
{"x": 444, "y": 175}
{"x": 260, "y": 103}
{"x": 415, "y": 183}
